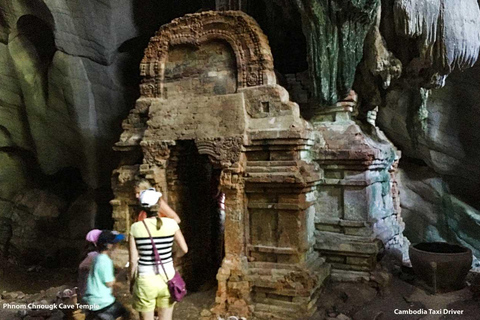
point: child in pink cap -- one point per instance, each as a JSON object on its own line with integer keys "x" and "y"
{"x": 84, "y": 267}
{"x": 92, "y": 236}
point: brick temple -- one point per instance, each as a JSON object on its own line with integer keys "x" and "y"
{"x": 303, "y": 200}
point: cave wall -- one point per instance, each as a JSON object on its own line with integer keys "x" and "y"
{"x": 69, "y": 75}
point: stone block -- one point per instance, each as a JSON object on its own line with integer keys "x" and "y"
{"x": 291, "y": 230}
{"x": 349, "y": 275}
{"x": 333, "y": 174}
{"x": 376, "y": 208}
{"x": 284, "y": 155}
{"x": 330, "y": 241}
{"x": 356, "y": 204}
{"x": 353, "y": 175}
{"x": 328, "y": 227}
{"x": 290, "y": 258}
{"x": 258, "y": 155}
{"x": 263, "y": 227}
{"x": 331, "y": 258}
{"x": 263, "y": 256}
{"x": 361, "y": 261}
{"x": 291, "y": 198}
{"x": 363, "y": 232}
{"x": 263, "y": 198}
{"x": 329, "y": 202}
{"x": 341, "y": 266}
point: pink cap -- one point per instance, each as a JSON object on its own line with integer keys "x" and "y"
{"x": 92, "y": 236}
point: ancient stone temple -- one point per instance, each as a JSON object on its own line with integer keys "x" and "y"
{"x": 298, "y": 194}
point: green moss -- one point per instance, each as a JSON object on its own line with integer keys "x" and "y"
{"x": 335, "y": 31}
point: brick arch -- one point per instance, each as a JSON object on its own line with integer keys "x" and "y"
{"x": 250, "y": 45}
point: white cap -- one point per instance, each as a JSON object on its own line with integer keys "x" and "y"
{"x": 149, "y": 197}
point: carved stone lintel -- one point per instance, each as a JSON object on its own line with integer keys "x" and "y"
{"x": 155, "y": 152}
{"x": 221, "y": 151}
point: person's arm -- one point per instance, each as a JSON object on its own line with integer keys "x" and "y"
{"x": 105, "y": 269}
{"x": 168, "y": 212}
{"x": 133, "y": 260}
{"x": 133, "y": 254}
{"x": 182, "y": 244}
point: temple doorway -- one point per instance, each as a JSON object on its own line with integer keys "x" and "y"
{"x": 193, "y": 192}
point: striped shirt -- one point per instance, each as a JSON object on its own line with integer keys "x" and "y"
{"x": 163, "y": 240}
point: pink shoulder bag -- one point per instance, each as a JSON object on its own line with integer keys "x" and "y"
{"x": 176, "y": 285}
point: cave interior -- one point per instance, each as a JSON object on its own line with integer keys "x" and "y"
{"x": 301, "y": 142}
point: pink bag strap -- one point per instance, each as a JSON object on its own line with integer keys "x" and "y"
{"x": 155, "y": 252}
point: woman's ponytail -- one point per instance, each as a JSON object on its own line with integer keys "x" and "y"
{"x": 159, "y": 222}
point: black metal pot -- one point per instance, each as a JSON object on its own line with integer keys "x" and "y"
{"x": 441, "y": 265}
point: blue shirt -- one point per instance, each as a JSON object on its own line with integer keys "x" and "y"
{"x": 98, "y": 295}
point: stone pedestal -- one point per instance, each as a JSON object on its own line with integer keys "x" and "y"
{"x": 357, "y": 213}
{"x": 285, "y": 272}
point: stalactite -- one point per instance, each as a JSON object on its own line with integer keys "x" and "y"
{"x": 447, "y": 34}
{"x": 379, "y": 67}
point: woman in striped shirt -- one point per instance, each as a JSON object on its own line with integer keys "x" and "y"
{"x": 150, "y": 289}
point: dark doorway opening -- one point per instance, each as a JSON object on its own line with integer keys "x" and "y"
{"x": 193, "y": 192}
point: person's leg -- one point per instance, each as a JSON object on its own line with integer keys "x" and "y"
{"x": 146, "y": 315}
{"x": 144, "y": 295}
{"x": 90, "y": 316}
{"x": 165, "y": 313}
{"x": 115, "y": 311}
{"x": 164, "y": 304}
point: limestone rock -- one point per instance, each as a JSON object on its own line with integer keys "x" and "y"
{"x": 67, "y": 79}
{"x": 449, "y": 143}
{"x": 335, "y": 43}
{"x": 453, "y": 25}
{"x": 441, "y": 184}
{"x": 432, "y": 213}
{"x": 57, "y": 315}
{"x": 40, "y": 203}
{"x": 80, "y": 216}
{"x": 12, "y": 295}
{"x": 378, "y": 65}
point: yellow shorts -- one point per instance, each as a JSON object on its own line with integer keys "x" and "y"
{"x": 150, "y": 291}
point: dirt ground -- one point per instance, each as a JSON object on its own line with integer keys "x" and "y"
{"x": 341, "y": 301}
{"x": 403, "y": 292}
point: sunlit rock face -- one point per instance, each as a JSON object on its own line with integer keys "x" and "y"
{"x": 428, "y": 108}
{"x": 439, "y": 193}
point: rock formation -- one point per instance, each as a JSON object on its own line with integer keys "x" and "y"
{"x": 69, "y": 74}
{"x": 410, "y": 75}
{"x": 335, "y": 32}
